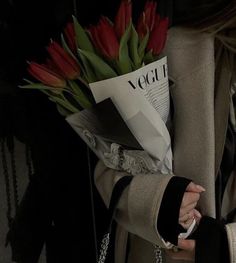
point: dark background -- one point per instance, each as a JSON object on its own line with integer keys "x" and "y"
{"x": 56, "y": 208}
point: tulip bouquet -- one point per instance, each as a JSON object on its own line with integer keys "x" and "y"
{"x": 99, "y": 52}
{"x": 116, "y": 59}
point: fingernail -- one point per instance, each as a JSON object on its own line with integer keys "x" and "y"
{"x": 200, "y": 188}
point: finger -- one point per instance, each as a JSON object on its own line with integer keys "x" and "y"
{"x": 193, "y": 213}
{"x": 189, "y": 198}
{"x": 181, "y": 255}
{"x": 187, "y": 251}
{"x": 186, "y": 244}
{"x": 187, "y": 223}
{"x": 187, "y": 216}
{"x": 185, "y": 210}
{"x": 192, "y": 187}
{"x": 197, "y": 215}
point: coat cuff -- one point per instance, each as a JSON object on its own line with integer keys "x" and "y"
{"x": 144, "y": 200}
{"x": 167, "y": 223}
{"x": 231, "y": 237}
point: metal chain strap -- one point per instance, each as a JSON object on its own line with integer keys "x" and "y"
{"x": 105, "y": 244}
{"x": 158, "y": 254}
{"x": 104, "y": 247}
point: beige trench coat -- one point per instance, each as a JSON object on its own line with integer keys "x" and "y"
{"x": 200, "y": 124}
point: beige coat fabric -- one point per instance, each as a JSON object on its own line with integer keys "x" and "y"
{"x": 197, "y": 152}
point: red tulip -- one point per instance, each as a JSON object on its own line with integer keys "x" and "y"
{"x": 147, "y": 20}
{"x": 150, "y": 14}
{"x": 158, "y": 36}
{"x": 123, "y": 17}
{"x": 64, "y": 62}
{"x": 70, "y": 37}
{"x": 142, "y": 27}
{"x": 104, "y": 38}
{"x": 51, "y": 65}
{"x": 46, "y": 75}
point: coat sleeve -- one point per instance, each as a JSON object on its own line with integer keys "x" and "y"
{"x": 138, "y": 208}
{"x": 231, "y": 237}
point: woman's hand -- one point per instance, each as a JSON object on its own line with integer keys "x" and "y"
{"x": 187, "y": 209}
{"x": 186, "y": 247}
{"x": 186, "y": 250}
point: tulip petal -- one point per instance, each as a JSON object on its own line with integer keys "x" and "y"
{"x": 104, "y": 38}
{"x": 158, "y": 36}
{"x": 120, "y": 20}
{"x": 45, "y": 75}
{"x": 51, "y": 65}
{"x": 70, "y": 36}
{"x": 142, "y": 27}
{"x": 150, "y": 14}
{"x": 66, "y": 47}
{"x": 123, "y": 17}
{"x": 95, "y": 33}
{"x": 109, "y": 39}
{"x": 66, "y": 63}
{"x": 128, "y": 13}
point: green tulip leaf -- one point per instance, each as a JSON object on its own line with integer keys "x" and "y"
{"x": 46, "y": 92}
{"x": 28, "y": 81}
{"x": 63, "y": 111}
{"x": 46, "y": 89}
{"x": 134, "y": 48}
{"x": 64, "y": 103}
{"x": 83, "y": 69}
{"x": 82, "y": 39}
{"x": 148, "y": 58}
{"x": 142, "y": 46}
{"x": 40, "y": 86}
{"x": 124, "y": 62}
{"x": 100, "y": 67}
{"x": 80, "y": 96}
{"x": 87, "y": 68}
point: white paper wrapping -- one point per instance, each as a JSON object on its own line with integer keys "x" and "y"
{"x": 142, "y": 99}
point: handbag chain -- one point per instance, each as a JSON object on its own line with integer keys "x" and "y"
{"x": 104, "y": 248}
{"x": 158, "y": 254}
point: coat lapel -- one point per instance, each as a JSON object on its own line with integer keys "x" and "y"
{"x": 192, "y": 65}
